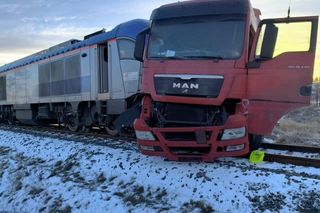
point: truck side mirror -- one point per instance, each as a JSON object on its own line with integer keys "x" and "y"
{"x": 139, "y": 45}
{"x": 269, "y": 41}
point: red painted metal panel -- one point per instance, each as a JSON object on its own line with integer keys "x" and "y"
{"x": 232, "y": 85}
{"x": 274, "y": 88}
{"x": 281, "y": 78}
{"x": 234, "y": 121}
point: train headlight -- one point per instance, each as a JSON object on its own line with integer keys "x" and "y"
{"x": 229, "y": 134}
{"x": 145, "y": 135}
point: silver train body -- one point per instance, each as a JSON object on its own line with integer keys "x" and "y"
{"x": 77, "y": 83}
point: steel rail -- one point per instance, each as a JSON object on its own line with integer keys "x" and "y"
{"x": 289, "y": 147}
{"x": 298, "y": 161}
{"x": 129, "y": 144}
{"x": 95, "y": 137}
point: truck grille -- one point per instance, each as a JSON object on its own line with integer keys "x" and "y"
{"x": 184, "y": 136}
{"x": 188, "y": 85}
{"x": 186, "y": 115}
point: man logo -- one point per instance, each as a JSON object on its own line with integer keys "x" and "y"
{"x": 185, "y": 86}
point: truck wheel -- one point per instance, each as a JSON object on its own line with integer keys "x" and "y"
{"x": 255, "y": 141}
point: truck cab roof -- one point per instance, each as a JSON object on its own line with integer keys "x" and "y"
{"x": 202, "y": 7}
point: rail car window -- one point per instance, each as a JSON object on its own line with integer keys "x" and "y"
{"x": 72, "y": 67}
{"x": 57, "y": 77}
{"x": 126, "y": 49}
{"x": 299, "y": 41}
{"x": 73, "y": 74}
{"x": 44, "y": 73}
{"x": 60, "y": 77}
{"x": 44, "y": 79}
{"x": 57, "y": 70}
{"x": 3, "y": 88}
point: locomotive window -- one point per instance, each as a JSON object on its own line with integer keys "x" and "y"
{"x": 57, "y": 77}
{"x": 72, "y": 67}
{"x": 44, "y": 73}
{"x": 73, "y": 74}
{"x": 57, "y": 70}
{"x": 3, "y": 85}
{"x": 126, "y": 49}
{"x": 44, "y": 80}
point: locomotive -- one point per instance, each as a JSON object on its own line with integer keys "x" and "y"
{"x": 76, "y": 83}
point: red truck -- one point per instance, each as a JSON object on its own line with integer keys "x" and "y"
{"x": 215, "y": 77}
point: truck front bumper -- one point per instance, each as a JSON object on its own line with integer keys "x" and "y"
{"x": 192, "y": 143}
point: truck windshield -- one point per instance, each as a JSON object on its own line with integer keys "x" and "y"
{"x": 197, "y": 37}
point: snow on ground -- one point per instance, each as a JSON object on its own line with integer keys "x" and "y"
{"x": 39, "y": 174}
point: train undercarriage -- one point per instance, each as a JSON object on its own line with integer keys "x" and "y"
{"x": 74, "y": 115}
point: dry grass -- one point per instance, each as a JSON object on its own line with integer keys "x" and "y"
{"x": 289, "y": 125}
{"x": 299, "y": 127}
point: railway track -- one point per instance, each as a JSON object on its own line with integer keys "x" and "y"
{"x": 101, "y": 138}
{"x": 94, "y": 136}
{"x": 292, "y": 159}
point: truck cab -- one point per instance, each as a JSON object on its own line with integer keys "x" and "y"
{"x": 215, "y": 77}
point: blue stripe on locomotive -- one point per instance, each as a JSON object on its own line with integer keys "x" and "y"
{"x": 128, "y": 29}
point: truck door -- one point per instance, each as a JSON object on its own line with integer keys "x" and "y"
{"x": 280, "y": 70}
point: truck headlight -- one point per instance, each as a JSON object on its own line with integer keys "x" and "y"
{"x": 229, "y": 134}
{"x": 145, "y": 135}
{"x": 235, "y": 148}
{"x": 147, "y": 148}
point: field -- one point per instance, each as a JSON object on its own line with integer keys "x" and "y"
{"x": 42, "y": 172}
{"x": 301, "y": 127}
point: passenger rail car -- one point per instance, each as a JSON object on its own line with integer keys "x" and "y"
{"x": 76, "y": 83}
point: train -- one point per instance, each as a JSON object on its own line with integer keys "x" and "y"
{"x": 77, "y": 84}
{"x": 216, "y": 78}
{"x": 198, "y": 81}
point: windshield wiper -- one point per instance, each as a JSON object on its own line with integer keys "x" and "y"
{"x": 168, "y": 57}
{"x": 175, "y": 57}
{"x": 215, "y": 58}
{"x": 205, "y": 56}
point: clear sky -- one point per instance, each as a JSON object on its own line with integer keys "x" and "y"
{"x": 33, "y": 25}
